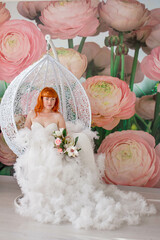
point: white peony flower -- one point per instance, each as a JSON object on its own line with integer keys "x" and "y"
{"x": 58, "y": 133}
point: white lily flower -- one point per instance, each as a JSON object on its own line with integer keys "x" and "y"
{"x": 72, "y": 151}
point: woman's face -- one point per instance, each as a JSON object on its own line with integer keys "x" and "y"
{"x": 49, "y": 102}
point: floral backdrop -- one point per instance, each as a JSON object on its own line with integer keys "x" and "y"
{"x": 120, "y": 75}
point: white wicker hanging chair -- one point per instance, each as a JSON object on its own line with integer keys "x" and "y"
{"x": 21, "y": 96}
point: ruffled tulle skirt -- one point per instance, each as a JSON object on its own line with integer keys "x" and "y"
{"x": 58, "y": 189}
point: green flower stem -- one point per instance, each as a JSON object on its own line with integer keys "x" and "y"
{"x": 70, "y": 43}
{"x": 116, "y": 65}
{"x": 157, "y": 107}
{"x": 81, "y": 44}
{"x": 128, "y": 123}
{"x": 121, "y": 37}
{"x": 145, "y": 124}
{"x": 112, "y": 61}
{"x": 156, "y": 113}
{"x": 122, "y": 67}
{"x": 134, "y": 66}
{"x": 89, "y": 69}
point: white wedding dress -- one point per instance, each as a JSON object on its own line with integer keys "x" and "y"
{"x": 58, "y": 190}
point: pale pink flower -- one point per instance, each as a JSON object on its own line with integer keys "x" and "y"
{"x": 60, "y": 150}
{"x": 145, "y": 106}
{"x": 66, "y": 20}
{"x": 103, "y": 58}
{"x": 90, "y": 50}
{"x": 142, "y": 33}
{"x": 154, "y": 38}
{"x": 124, "y": 15}
{"x": 7, "y": 157}
{"x": 73, "y": 60}
{"x": 131, "y": 158}
{"x": 103, "y": 27}
{"x": 155, "y": 17}
{"x": 21, "y": 44}
{"x": 4, "y": 13}
{"x": 111, "y": 100}
{"x": 31, "y": 9}
{"x": 131, "y": 38}
{"x": 150, "y": 64}
{"x": 58, "y": 141}
{"x": 139, "y": 76}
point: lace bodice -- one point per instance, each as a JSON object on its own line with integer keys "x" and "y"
{"x": 51, "y": 127}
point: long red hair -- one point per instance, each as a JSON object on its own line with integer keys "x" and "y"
{"x": 46, "y": 92}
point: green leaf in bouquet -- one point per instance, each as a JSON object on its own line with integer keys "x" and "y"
{"x": 76, "y": 140}
{"x": 62, "y": 145}
{"x": 64, "y": 133}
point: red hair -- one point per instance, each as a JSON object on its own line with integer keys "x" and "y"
{"x": 46, "y": 92}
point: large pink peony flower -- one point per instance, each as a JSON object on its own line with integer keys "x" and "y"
{"x": 124, "y": 15}
{"x": 7, "y": 157}
{"x": 73, "y": 60}
{"x": 21, "y": 44}
{"x": 145, "y": 106}
{"x": 131, "y": 158}
{"x": 4, "y": 13}
{"x": 110, "y": 99}
{"x": 69, "y": 19}
{"x": 150, "y": 64}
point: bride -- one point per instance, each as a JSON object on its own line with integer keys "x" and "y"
{"x": 57, "y": 189}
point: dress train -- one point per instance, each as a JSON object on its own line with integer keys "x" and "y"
{"x": 57, "y": 189}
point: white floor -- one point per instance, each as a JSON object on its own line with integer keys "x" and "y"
{"x": 15, "y": 227}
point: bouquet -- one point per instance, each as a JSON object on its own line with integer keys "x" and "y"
{"x": 65, "y": 144}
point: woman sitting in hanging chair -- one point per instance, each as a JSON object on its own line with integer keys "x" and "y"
{"x": 60, "y": 179}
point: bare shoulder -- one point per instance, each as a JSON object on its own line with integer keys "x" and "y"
{"x": 58, "y": 115}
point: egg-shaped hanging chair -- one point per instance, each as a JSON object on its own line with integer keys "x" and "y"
{"x": 21, "y": 96}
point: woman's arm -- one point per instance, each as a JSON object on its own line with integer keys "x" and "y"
{"x": 28, "y": 121}
{"x": 61, "y": 121}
